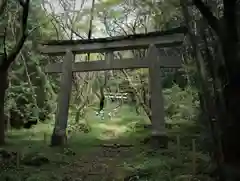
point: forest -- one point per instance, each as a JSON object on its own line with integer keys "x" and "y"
{"x": 101, "y": 124}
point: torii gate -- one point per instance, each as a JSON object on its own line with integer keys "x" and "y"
{"x": 153, "y": 61}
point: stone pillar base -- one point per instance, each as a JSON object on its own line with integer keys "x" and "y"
{"x": 157, "y": 141}
{"x": 58, "y": 140}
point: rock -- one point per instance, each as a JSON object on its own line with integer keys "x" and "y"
{"x": 115, "y": 145}
{"x": 143, "y": 174}
{"x": 156, "y": 141}
{"x": 149, "y": 126}
{"x": 69, "y": 152}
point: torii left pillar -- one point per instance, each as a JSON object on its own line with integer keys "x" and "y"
{"x": 59, "y": 133}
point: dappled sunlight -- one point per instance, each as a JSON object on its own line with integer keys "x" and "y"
{"x": 110, "y": 130}
{"x": 43, "y": 128}
{"x": 117, "y": 128}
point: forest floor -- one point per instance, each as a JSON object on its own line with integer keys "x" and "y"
{"x": 111, "y": 151}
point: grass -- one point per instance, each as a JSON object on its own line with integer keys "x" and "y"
{"x": 88, "y": 156}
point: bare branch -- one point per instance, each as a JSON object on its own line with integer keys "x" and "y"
{"x": 91, "y": 20}
{"x": 120, "y": 26}
{"x": 208, "y": 15}
{"x": 4, "y": 42}
{"x": 3, "y": 4}
{"x": 23, "y": 35}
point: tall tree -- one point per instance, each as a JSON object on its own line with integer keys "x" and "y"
{"x": 8, "y": 57}
{"x": 226, "y": 29}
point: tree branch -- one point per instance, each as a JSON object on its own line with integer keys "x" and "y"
{"x": 208, "y": 15}
{"x": 3, "y": 4}
{"x": 23, "y": 35}
{"x": 4, "y": 42}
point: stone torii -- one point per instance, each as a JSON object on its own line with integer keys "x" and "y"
{"x": 153, "y": 61}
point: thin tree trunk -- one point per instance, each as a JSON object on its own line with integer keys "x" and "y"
{"x": 3, "y": 88}
{"x": 79, "y": 109}
{"x": 8, "y": 58}
{"x": 138, "y": 96}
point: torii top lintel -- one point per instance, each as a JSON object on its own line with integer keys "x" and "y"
{"x": 168, "y": 38}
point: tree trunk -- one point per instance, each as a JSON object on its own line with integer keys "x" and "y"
{"x": 232, "y": 98}
{"x": 77, "y": 117}
{"x": 3, "y": 88}
{"x": 230, "y": 124}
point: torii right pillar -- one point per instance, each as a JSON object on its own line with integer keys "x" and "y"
{"x": 159, "y": 137}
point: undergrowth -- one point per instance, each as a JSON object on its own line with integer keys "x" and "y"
{"x": 111, "y": 150}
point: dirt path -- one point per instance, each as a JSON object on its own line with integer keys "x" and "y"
{"x": 104, "y": 163}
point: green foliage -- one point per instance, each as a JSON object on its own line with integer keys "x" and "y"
{"x": 85, "y": 155}
{"x": 30, "y": 95}
{"x": 181, "y": 104}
